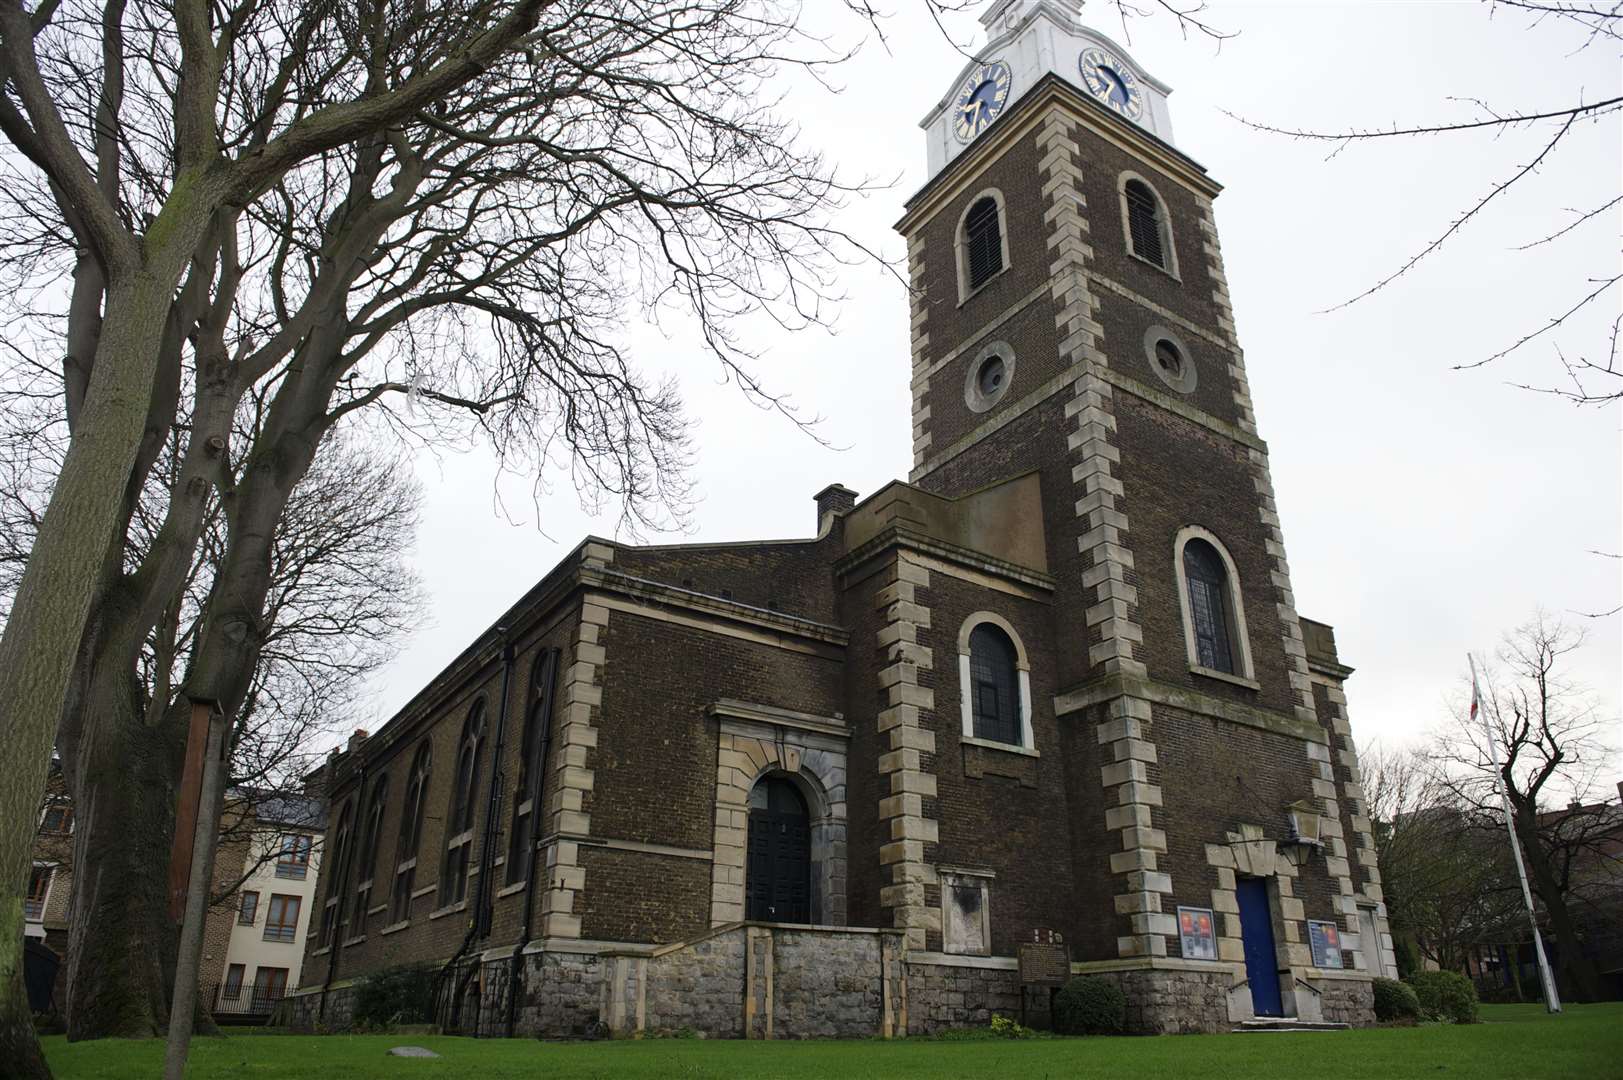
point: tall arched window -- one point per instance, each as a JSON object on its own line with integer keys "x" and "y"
{"x": 411, "y": 834}
{"x": 1210, "y": 606}
{"x": 366, "y": 856}
{"x": 994, "y": 685}
{"x": 532, "y": 750}
{"x": 464, "y": 797}
{"x": 1146, "y": 233}
{"x": 337, "y": 867}
{"x": 982, "y": 242}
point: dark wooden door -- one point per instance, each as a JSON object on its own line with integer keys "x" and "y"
{"x": 778, "y": 877}
{"x": 1257, "y": 932}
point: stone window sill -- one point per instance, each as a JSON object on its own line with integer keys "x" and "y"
{"x": 993, "y": 744}
{"x": 356, "y": 940}
{"x": 1169, "y": 272}
{"x": 1223, "y": 676}
{"x": 323, "y": 951}
{"x": 379, "y": 910}
{"x": 971, "y": 294}
{"x": 449, "y": 909}
{"x": 509, "y": 890}
{"x": 432, "y": 886}
{"x": 396, "y": 928}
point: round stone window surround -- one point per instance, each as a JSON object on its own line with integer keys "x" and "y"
{"x": 1184, "y": 380}
{"x": 975, "y": 398}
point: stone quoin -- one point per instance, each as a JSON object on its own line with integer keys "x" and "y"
{"x": 1054, "y": 682}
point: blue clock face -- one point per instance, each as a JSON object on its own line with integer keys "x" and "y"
{"x": 980, "y": 99}
{"x": 1110, "y": 81}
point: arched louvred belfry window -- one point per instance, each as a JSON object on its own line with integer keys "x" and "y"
{"x": 411, "y": 835}
{"x": 1209, "y": 606}
{"x": 461, "y": 813}
{"x": 994, "y": 685}
{"x": 983, "y": 242}
{"x": 1144, "y": 223}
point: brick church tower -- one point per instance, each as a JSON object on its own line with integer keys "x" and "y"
{"x": 1071, "y": 318}
{"x": 1052, "y": 688}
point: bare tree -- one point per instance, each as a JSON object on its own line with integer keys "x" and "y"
{"x": 1447, "y": 885}
{"x": 1591, "y": 375}
{"x": 463, "y": 256}
{"x": 1554, "y": 743}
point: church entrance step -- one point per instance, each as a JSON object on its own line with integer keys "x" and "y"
{"x": 1285, "y": 1023}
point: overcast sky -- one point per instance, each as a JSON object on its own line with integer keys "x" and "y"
{"x": 1425, "y": 510}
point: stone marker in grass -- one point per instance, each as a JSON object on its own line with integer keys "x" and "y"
{"x": 412, "y": 1051}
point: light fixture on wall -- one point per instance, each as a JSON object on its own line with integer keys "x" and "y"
{"x": 1304, "y": 840}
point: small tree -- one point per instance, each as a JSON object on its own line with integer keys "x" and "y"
{"x": 1554, "y": 741}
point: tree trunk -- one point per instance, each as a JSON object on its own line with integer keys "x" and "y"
{"x": 121, "y": 941}
{"x": 53, "y": 605}
{"x": 1583, "y": 983}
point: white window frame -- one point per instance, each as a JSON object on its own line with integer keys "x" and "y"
{"x": 1240, "y": 640}
{"x": 961, "y": 255}
{"x": 1022, "y": 665}
{"x": 50, "y": 884}
{"x": 1163, "y": 220}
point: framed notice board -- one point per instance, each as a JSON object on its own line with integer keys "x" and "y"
{"x": 1325, "y": 938}
{"x": 1197, "y": 933}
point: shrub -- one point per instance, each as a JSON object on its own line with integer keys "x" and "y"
{"x": 1001, "y": 1027}
{"x": 1090, "y": 1005}
{"x": 402, "y": 995}
{"x": 1445, "y": 995}
{"x": 1395, "y": 1001}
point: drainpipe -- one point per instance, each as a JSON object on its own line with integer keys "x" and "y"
{"x": 538, "y": 788}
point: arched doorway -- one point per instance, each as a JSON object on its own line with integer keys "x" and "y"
{"x": 778, "y": 873}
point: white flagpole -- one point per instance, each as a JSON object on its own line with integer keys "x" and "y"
{"x": 1552, "y": 997}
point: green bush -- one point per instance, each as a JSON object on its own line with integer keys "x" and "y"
{"x": 1445, "y": 995}
{"x": 1395, "y": 1001}
{"x": 1001, "y": 1027}
{"x": 402, "y": 995}
{"x": 1090, "y": 1005}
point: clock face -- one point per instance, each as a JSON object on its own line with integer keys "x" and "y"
{"x": 980, "y": 99}
{"x": 1109, "y": 80}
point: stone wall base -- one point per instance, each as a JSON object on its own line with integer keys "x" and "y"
{"x": 759, "y": 981}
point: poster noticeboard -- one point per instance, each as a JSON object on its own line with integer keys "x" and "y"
{"x": 1325, "y": 939}
{"x": 1197, "y": 932}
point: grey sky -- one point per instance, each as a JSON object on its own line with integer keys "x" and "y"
{"x": 1425, "y": 510}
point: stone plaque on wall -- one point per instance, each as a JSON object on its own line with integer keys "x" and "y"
{"x": 1044, "y": 965}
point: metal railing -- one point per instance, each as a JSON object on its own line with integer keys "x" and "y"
{"x": 245, "y": 1002}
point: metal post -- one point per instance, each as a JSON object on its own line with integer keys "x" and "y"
{"x": 1552, "y": 997}
{"x": 183, "y": 1003}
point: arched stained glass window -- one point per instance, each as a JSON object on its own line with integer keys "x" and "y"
{"x": 994, "y": 685}
{"x": 1209, "y": 605}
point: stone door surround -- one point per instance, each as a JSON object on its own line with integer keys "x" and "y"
{"x": 754, "y": 741}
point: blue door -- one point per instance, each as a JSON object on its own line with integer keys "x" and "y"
{"x": 1257, "y": 932}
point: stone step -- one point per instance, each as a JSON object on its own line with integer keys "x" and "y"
{"x": 1272, "y": 1023}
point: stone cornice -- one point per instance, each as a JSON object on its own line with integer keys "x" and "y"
{"x": 659, "y": 593}
{"x": 896, "y": 536}
{"x": 1109, "y": 687}
{"x": 727, "y": 708}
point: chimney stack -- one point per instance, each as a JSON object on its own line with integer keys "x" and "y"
{"x": 832, "y": 500}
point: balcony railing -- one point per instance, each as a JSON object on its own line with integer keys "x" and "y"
{"x": 294, "y": 870}
{"x": 245, "y": 1002}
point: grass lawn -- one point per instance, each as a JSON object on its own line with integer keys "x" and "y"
{"x": 1515, "y": 1041}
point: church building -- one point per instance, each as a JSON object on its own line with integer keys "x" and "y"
{"x": 1051, "y": 690}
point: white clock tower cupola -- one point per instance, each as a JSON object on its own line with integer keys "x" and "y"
{"x": 1027, "y": 41}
